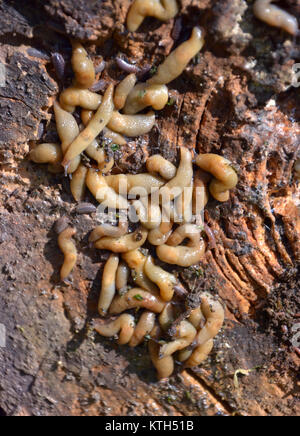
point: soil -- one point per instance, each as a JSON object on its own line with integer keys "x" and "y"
{"x": 235, "y": 99}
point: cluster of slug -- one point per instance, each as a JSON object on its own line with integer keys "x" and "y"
{"x": 172, "y": 224}
{"x": 161, "y": 297}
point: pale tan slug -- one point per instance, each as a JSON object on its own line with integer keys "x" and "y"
{"x": 83, "y": 67}
{"x": 199, "y": 355}
{"x": 108, "y": 289}
{"x": 96, "y": 183}
{"x": 115, "y": 137}
{"x": 143, "y": 328}
{"x": 275, "y": 16}
{"x": 160, "y": 165}
{"x": 225, "y": 177}
{"x": 163, "y": 10}
{"x": 109, "y": 230}
{"x": 93, "y": 129}
{"x": 46, "y": 153}
{"x": 165, "y": 366}
{"x": 167, "y": 317}
{"x": 201, "y": 192}
{"x": 124, "y": 326}
{"x": 95, "y": 152}
{"x": 132, "y": 125}
{"x": 183, "y": 206}
{"x": 184, "y": 354}
{"x": 164, "y": 280}
{"x": 86, "y": 116}
{"x": 185, "y": 231}
{"x": 123, "y": 244}
{"x": 148, "y": 212}
{"x": 185, "y": 335}
{"x": 72, "y": 97}
{"x": 136, "y": 260}
{"x": 214, "y": 314}
{"x": 69, "y": 250}
{"x": 197, "y": 318}
{"x": 183, "y": 178}
{"x": 123, "y": 274}
{"x": 78, "y": 183}
{"x": 123, "y": 90}
{"x": 144, "y": 95}
{"x": 137, "y": 298}
{"x": 141, "y": 184}
{"x": 181, "y": 255}
{"x": 179, "y": 59}
{"x": 68, "y": 130}
{"x": 160, "y": 235}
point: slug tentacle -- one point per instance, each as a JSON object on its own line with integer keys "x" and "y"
{"x": 68, "y": 130}
{"x": 136, "y": 260}
{"x": 46, "y": 153}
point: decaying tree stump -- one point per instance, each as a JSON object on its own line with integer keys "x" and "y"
{"x": 235, "y": 99}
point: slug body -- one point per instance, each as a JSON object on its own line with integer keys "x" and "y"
{"x": 179, "y": 59}
{"x": 97, "y": 184}
{"x": 136, "y": 260}
{"x": 126, "y": 243}
{"x": 72, "y": 97}
{"x": 78, "y": 184}
{"x": 275, "y": 16}
{"x": 164, "y": 10}
{"x": 132, "y": 125}
{"x": 123, "y": 90}
{"x": 93, "y": 129}
{"x": 46, "y": 153}
{"x": 183, "y": 178}
{"x": 108, "y": 289}
{"x": 124, "y": 326}
{"x": 157, "y": 164}
{"x": 144, "y": 95}
{"x": 68, "y": 130}
{"x": 225, "y": 177}
{"x": 83, "y": 67}
{"x": 68, "y": 248}
{"x": 185, "y": 335}
{"x": 137, "y": 298}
